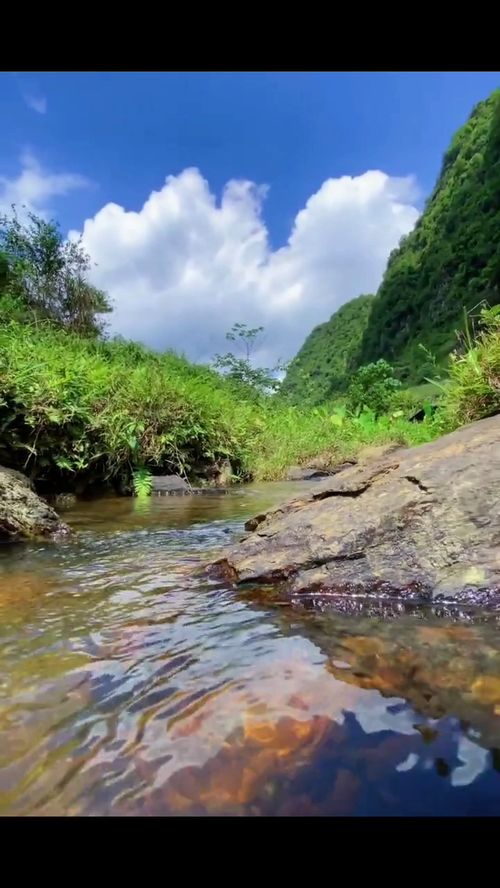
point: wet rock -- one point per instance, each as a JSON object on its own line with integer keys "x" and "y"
{"x": 224, "y": 474}
{"x": 486, "y": 689}
{"x": 421, "y": 524}
{"x": 174, "y": 485}
{"x": 345, "y": 793}
{"x": 193, "y": 491}
{"x": 23, "y": 515}
{"x": 168, "y": 483}
{"x": 220, "y": 473}
{"x": 62, "y": 501}
{"x": 318, "y": 469}
{"x": 15, "y": 475}
{"x": 301, "y": 473}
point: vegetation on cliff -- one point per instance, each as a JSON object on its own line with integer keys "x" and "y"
{"x": 450, "y": 261}
{"x": 322, "y": 367}
{"x": 447, "y": 266}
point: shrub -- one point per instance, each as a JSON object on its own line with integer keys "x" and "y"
{"x": 372, "y": 386}
{"x": 473, "y": 388}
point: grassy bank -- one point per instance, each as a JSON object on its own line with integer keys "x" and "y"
{"x": 73, "y": 407}
{"x": 291, "y": 436}
{"x": 77, "y": 411}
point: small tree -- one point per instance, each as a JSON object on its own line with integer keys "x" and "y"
{"x": 47, "y": 276}
{"x": 372, "y": 386}
{"x": 260, "y": 380}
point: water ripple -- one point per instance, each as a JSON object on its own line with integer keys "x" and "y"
{"x": 129, "y": 684}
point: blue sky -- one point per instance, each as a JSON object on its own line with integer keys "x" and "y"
{"x": 86, "y": 141}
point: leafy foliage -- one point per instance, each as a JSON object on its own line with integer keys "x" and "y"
{"x": 322, "y": 366}
{"x": 473, "y": 389}
{"x": 75, "y": 412}
{"x": 372, "y": 387}
{"x": 291, "y": 435}
{"x": 142, "y": 481}
{"x": 44, "y": 277}
{"x": 89, "y": 410}
{"x": 450, "y": 261}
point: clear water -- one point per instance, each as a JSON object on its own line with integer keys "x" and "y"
{"x": 131, "y": 684}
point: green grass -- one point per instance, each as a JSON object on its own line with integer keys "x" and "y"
{"x": 291, "y": 436}
{"x": 473, "y": 386}
{"x": 73, "y": 407}
{"x": 76, "y": 412}
{"x": 428, "y": 391}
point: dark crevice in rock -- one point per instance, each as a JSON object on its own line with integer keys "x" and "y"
{"x": 355, "y": 490}
{"x": 253, "y": 523}
{"x": 417, "y": 483}
{"x": 314, "y": 563}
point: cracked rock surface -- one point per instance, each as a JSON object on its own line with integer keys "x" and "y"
{"x": 421, "y": 523}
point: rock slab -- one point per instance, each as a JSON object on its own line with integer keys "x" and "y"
{"x": 422, "y": 523}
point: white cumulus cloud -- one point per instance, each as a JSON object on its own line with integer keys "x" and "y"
{"x": 185, "y": 267}
{"x": 34, "y": 187}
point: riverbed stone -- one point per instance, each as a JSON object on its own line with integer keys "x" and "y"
{"x": 23, "y": 514}
{"x": 168, "y": 483}
{"x": 63, "y": 501}
{"x": 420, "y": 523}
{"x": 304, "y": 473}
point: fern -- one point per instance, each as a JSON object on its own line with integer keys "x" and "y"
{"x": 142, "y": 481}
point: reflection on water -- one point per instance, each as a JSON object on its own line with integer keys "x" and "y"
{"x": 130, "y": 684}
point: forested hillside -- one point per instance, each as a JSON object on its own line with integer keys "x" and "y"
{"x": 450, "y": 261}
{"x": 448, "y": 265}
{"x": 321, "y": 366}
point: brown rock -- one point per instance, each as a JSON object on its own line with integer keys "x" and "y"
{"x": 23, "y": 515}
{"x": 486, "y": 689}
{"x": 422, "y": 523}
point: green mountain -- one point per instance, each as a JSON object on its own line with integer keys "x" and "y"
{"x": 448, "y": 264}
{"x": 321, "y": 367}
{"x": 451, "y": 259}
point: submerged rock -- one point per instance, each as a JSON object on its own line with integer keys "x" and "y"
{"x": 420, "y": 523}
{"x": 63, "y": 501}
{"x": 23, "y": 515}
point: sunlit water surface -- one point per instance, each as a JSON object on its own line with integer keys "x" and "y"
{"x": 131, "y": 684}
